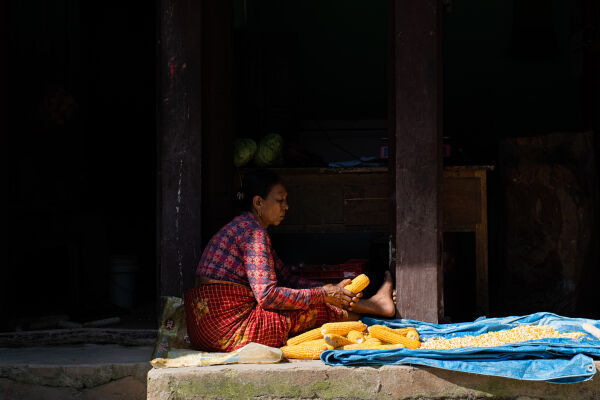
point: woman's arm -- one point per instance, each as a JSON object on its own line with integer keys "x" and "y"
{"x": 334, "y": 294}
{"x": 262, "y": 276}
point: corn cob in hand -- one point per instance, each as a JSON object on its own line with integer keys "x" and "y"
{"x": 358, "y": 284}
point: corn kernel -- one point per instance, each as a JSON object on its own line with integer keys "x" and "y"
{"x": 518, "y": 334}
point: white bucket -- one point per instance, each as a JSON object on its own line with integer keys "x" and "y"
{"x": 122, "y": 281}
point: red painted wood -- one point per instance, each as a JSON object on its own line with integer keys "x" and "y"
{"x": 417, "y": 164}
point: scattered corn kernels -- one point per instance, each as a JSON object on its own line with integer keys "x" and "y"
{"x": 499, "y": 338}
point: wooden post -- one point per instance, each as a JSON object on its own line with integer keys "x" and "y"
{"x": 179, "y": 144}
{"x": 415, "y": 130}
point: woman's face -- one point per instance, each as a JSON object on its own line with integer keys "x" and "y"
{"x": 271, "y": 210}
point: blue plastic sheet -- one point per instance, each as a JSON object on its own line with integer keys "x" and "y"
{"x": 551, "y": 360}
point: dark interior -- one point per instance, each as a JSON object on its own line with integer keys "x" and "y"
{"x": 82, "y": 164}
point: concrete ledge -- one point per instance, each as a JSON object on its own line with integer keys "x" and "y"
{"x": 314, "y": 380}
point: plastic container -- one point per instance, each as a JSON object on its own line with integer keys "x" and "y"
{"x": 123, "y": 274}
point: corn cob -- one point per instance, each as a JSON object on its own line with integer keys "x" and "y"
{"x": 356, "y": 337}
{"x": 337, "y": 340}
{"x": 400, "y": 331}
{"x": 305, "y": 337}
{"x": 342, "y": 328}
{"x": 304, "y": 351}
{"x": 360, "y": 346}
{"x": 358, "y": 284}
{"x": 383, "y": 333}
{"x": 372, "y": 340}
{"x": 316, "y": 342}
{"x": 410, "y": 332}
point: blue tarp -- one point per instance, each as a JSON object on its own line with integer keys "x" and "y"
{"x": 551, "y": 360}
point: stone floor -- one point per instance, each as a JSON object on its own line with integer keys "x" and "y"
{"x": 88, "y": 371}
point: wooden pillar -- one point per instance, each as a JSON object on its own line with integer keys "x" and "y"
{"x": 415, "y": 133}
{"x": 179, "y": 144}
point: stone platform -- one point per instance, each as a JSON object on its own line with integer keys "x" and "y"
{"x": 113, "y": 372}
{"x": 315, "y": 380}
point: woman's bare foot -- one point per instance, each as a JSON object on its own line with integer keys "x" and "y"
{"x": 382, "y": 303}
{"x": 385, "y": 296}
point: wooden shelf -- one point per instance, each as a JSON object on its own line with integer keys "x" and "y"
{"x": 336, "y": 199}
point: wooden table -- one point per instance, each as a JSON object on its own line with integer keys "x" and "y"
{"x": 358, "y": 199}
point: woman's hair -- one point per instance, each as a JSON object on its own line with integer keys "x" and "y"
{"x": 257, "y": 182}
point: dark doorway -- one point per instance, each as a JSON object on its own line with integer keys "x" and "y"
{"x": 522, "y": 94}
{"x": 82, "y": 163}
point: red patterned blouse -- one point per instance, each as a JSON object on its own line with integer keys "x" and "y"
{"x": 241, "y": 252}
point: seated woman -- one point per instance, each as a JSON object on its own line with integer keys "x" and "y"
{"x": 244, "y": 293}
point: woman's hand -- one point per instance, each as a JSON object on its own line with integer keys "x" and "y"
{"x": 340, "y": 297}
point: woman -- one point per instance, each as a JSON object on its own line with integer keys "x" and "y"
{"x": 245, "y": 294}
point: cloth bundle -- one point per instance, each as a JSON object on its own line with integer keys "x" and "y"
{"x": 252, "y": 353}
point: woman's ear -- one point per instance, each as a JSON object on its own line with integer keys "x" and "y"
{"x": 257, "y": 202}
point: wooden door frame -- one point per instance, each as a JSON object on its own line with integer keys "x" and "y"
{"x": 194, "y": 44}
{"x": 179, "y": 142}
{"x": 415, "y": 117}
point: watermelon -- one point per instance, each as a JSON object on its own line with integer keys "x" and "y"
{"x": 270, "y": 151}
{"x": 243, "y": 151}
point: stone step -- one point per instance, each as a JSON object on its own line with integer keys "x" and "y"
{"x": 315, "y": 380}
{"x": 88, "y": 371}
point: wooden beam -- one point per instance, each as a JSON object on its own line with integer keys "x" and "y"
{"x": 415, "y": 130}
{"x": 179, "y": 144}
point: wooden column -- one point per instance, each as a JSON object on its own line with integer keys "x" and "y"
{"x": 415, "y": 133}
{"x": 179, "y": 144}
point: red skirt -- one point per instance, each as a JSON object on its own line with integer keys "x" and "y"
{"x": 224, "y": 316}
